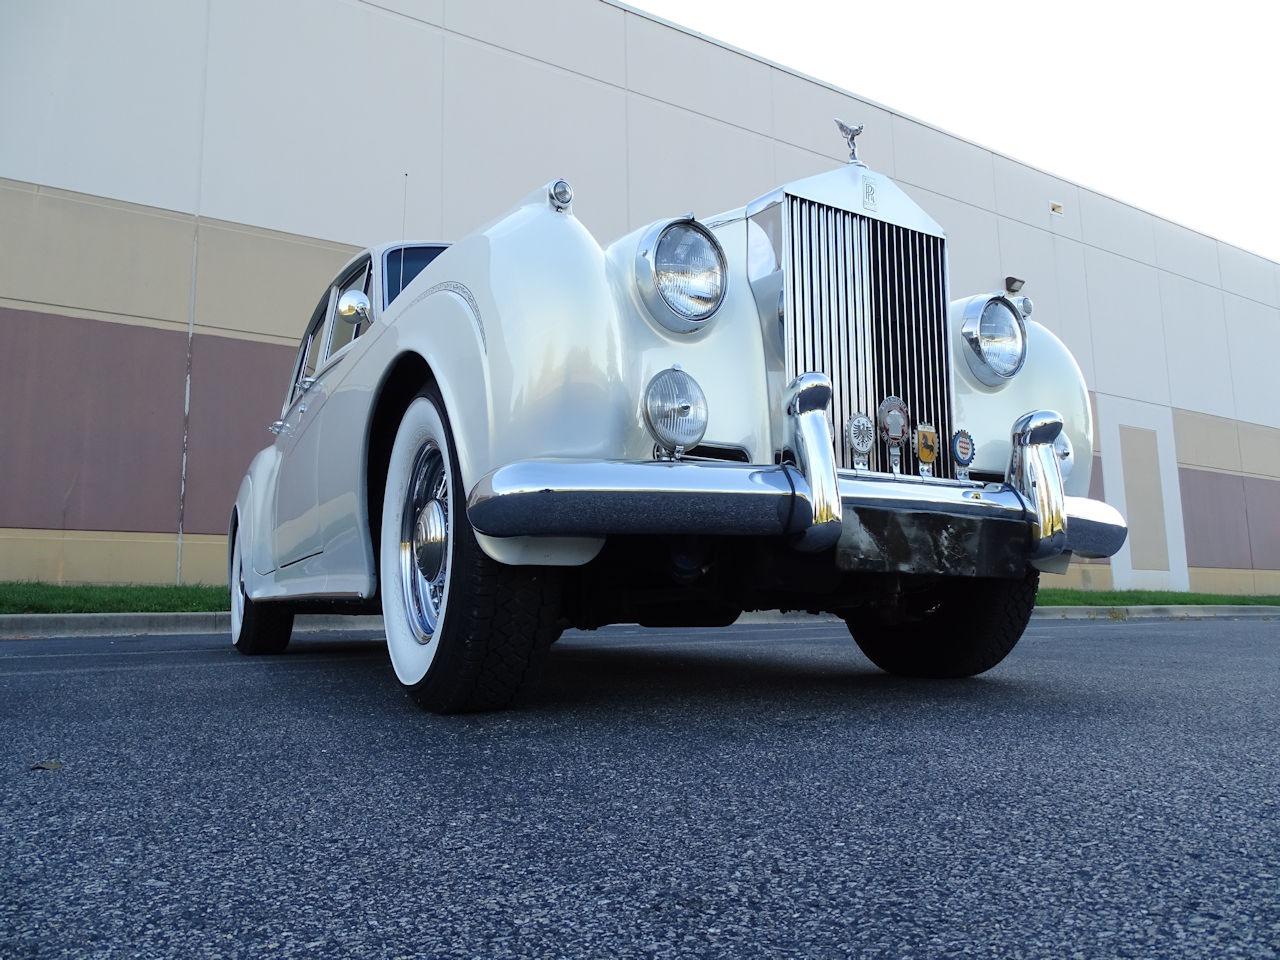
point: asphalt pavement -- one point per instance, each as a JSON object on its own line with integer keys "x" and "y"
{"x": 1111, "y": 790}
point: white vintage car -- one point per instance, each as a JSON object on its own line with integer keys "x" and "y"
{"x": 773, "y": 408}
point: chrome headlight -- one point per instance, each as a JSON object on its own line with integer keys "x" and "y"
{"x": 675, "y": 410}
{"x": 680, "y": 271}
{"x": 996, "y": 336}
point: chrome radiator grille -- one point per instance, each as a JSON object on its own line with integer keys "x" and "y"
{"x": 866, "y": 304}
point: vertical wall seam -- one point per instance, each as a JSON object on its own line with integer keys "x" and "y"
{"x": 191, "y": 296}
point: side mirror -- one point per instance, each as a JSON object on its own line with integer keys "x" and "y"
{"x": 353, "y": 307}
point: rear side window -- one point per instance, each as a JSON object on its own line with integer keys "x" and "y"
{"x": 403, "y": 264}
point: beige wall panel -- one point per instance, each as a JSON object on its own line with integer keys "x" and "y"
{"x": 1266, "y": 582}
{"x": 1249, "y": 275}
{"x": 942, "y": 163}
{"x": 1186, "y": 252}
{"x": 1233, "y": 582}
{"x": 588, "y": 38}
{"x": 1253, "y": 332}
{"x": 1206, "y": 441}
{"x": 1080, "y": 576}
{"x": 804, "y": 112}
{"x": 1144, "y": 498}
{"x": 1118, "y": 227}
{"x": 687, "y": 71}
{"x": 1195, "y": 328}
{"x": 1260, "y": 450}
{"x": 71, "y": 556}
{"x": 1128, "y": 335}
{"x": 66, "y": 249}
{"x": 1025, "y": 194}
{"x": 513, "y": 124}
{"x": 729, "y": 168}
{"x": 204, "y": 560}
{"x": 259, "y": 281}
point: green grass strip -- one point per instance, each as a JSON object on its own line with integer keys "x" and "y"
{"x": 32, "y": 597}
{"x": 1052, "y": 597}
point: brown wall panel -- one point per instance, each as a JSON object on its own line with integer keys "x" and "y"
{"x": 91, "y": 436}
{"x": 1262, "y": 501}
{"x": 1213, "y": 516}
{"x": 237, "y": 387}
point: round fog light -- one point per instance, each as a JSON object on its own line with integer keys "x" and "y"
{"x": 675, "y": 411}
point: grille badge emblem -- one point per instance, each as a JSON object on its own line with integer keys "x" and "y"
{"x": 926, "y": 448}
{"x": 860, "y": 434}
{"x": 962, "y": 451}
{"x": 895, "y": 429}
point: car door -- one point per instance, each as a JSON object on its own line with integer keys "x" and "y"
{"x": 299, "y": 523}
{"x": 294, "y": 524}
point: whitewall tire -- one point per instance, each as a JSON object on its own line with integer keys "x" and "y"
{"x": 256, "y": 627}
{"x": 464, "y": 632}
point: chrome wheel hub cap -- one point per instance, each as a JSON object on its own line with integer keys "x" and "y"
{"x": 424, "y": 541}
{"x": 429, "y": 539}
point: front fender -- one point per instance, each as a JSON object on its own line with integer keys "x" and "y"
{"x": 1049, "y": 380}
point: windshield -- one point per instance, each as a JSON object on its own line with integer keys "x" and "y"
{"x": 403, "y": 264}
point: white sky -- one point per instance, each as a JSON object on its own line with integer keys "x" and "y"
{"x": 1172, "y": 107}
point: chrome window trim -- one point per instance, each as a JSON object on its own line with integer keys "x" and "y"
{"x": 969, "y": 331}
{"x": 647, "y": 281}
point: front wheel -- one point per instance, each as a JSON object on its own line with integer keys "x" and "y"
{"x": 256, "y": 626}
{"x": 964, "y": 627}
{"x": 464, "y": 631}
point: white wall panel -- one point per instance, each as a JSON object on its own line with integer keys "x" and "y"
{"x": 1027, "y": 253}
{"x": 104, "y": 100}
{"x": 1128, "y": 336}
{"x": 1253, "y": 332}
{"x": 804, "y": 114}
{"x": 587, "y": 38}
{"x": 1195, "y": 329}
{"x": 942, "y": 164}
{"x": 1117, "y": 227}
{"x": 1249, "y": 275}
{"x": 428, "y": 11}
{"x": 973, "y": 242}
{"x": 690, "y": 72}
{"x": 793, "y": 163}
{"x": 316, "y": 109}
{"x": 1186, "y": 252}
{"x": 1073, "y": 324}
{"x": 680, "y": 161}
{"x": 1025, "y": 194}
{"x": 512, "y": 123}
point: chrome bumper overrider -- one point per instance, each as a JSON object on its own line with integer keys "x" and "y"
{"x": 876, "y": 522}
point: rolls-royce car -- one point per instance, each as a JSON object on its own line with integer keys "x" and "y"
{"x": 778, "y": 407}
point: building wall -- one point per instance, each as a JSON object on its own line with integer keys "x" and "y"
{"x": 180, "y": 180}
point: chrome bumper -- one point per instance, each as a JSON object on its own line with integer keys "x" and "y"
{"x": 875, "y": 522}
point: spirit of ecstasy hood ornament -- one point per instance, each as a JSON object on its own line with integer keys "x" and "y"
{"x": 850, "y": 135}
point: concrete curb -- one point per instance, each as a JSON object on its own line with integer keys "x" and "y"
{"x": 39, "y": 625}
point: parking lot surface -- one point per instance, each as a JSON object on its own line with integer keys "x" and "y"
{"x": 1111, "y": 790}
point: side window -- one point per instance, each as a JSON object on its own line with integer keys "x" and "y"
{"x": 309, "y": 350}
{"x": 343, "y": 332}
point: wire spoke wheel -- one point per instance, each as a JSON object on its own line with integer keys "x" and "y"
{"x": 425, "y": 540}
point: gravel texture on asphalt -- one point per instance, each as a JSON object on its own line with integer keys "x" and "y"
{"x": 1111, "y": 790}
